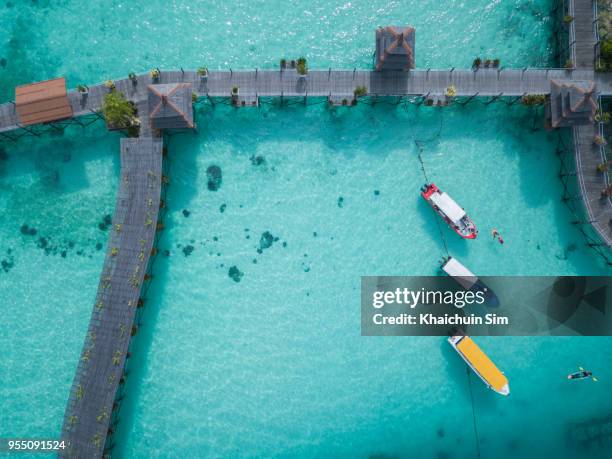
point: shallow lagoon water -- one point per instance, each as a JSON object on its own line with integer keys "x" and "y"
{"x": 274, "y": 364}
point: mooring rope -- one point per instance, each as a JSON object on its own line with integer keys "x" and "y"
{"x": 420, "y": 146}
{"x": 467, "y": 369}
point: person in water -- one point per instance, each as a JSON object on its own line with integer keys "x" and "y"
{"x": 581, "y": 375}
{"x": 497, "y": 235}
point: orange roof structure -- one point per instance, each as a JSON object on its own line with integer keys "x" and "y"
{"x": 42, "y": 102}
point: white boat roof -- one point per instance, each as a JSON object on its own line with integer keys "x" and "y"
{"x": 448, "y": 206}
{"x": 463, "y": 275}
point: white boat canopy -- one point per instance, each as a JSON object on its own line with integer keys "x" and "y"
{"x": 450, "y": 208}
{"x": 460, "y": 273}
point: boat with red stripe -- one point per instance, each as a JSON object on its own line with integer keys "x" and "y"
{"x": 451, "y": 212}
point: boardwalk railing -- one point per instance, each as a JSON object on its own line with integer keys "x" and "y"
{"x": 597, "y": 47}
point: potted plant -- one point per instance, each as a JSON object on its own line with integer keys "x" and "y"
{"x": 292, "y": 63}
{"x": 599, "y": 140}
{"x": 477, "y": 62}
{"x": 133, "y": 78}
{"x": 496, "y": 62}
{"x": 602, "y": 117}
{"x": 194, "y": 97}
{"x": 487, "y": 63}
{"x": 203, "y": 73}
{"x": 569, "y": 64}
{"x": 283, "y": 63}
{"x": 155, "y": 74}
{"x": 110, "y": 84}
{"x": 235, "y": 90}
{"x": 302, "y": 67}
{"x": 83, "y": 89}
{"x": 603, "y": 167}
{"x": 451, "y": 91}
{"x": 568, "y": 18}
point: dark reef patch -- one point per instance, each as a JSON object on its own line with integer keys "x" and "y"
{"x": 258, "y": 160}
{"x": 340, "y": 202}
{"x": 27, "y": 231}
{"x": 266, "y": 240}
{"x": 222, "y": 208}
{"x": 7, "y": 264}
{"x": 440, "y": 432}
{"x": 215, "y": 177}
{"x": 188, "y": 249}
{"x": 107, "y": 220}
{"x": 186, "y": 213}
{"x": 376, "y": 192}
{"x": 235, "y": 274}
{"x": 99, "y": 246}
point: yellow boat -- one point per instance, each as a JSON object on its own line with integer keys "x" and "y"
{"x": 480, "y": 364}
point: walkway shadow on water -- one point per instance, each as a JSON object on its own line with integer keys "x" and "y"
{"x": 60, "y": 159}
{"x": 141, "y": 347}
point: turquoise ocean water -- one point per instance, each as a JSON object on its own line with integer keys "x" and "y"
{"x": 274, "y": 365}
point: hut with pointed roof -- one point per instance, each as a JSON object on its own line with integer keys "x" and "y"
{"x": 171, "y": 106}
{"x": 394, "y": 48}
{"x": 572, "y": 103}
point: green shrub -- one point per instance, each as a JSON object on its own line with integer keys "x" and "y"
{"x": 117, "y": 110}
{"x": 606, "y": 50}
{"x": 533, "y": 99}
{"x": 302, "y": 66}
{"x": 360, "y": 91}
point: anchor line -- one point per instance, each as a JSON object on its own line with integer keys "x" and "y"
{"x": 473, "y": 411}
{"x": 419, "y": 144}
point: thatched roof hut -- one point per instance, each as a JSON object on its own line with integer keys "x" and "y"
{"x": 572, "y": 103}
{"x": 394, "y": 48}
{"x": 171, "y": 106}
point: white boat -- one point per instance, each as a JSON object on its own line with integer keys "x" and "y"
{"x": 451, "y": 212}
{"x": 482, "y": 365}
{"x": 468, "y": 280}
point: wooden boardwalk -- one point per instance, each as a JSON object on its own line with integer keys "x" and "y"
{"x": 100, "y": 369}
{"x": 325, "y": 83}
{"x": 100, "y": 372}
{"x": 587, "y": 155}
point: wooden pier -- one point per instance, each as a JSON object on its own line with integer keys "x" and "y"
{"x": 91, "y": 411}
{"x": 90, "y": 406}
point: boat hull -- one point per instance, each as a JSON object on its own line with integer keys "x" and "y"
{"x": 470, "y": 231}
{"x": 502, "y": 389}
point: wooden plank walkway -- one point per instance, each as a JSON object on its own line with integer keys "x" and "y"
{"x": 323, "y": 83}
{"x": 583, "y": 33}
{"x": 587, "y": 155}
{"x": 100, "y": 369}
{"x": 591, "y": 182}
